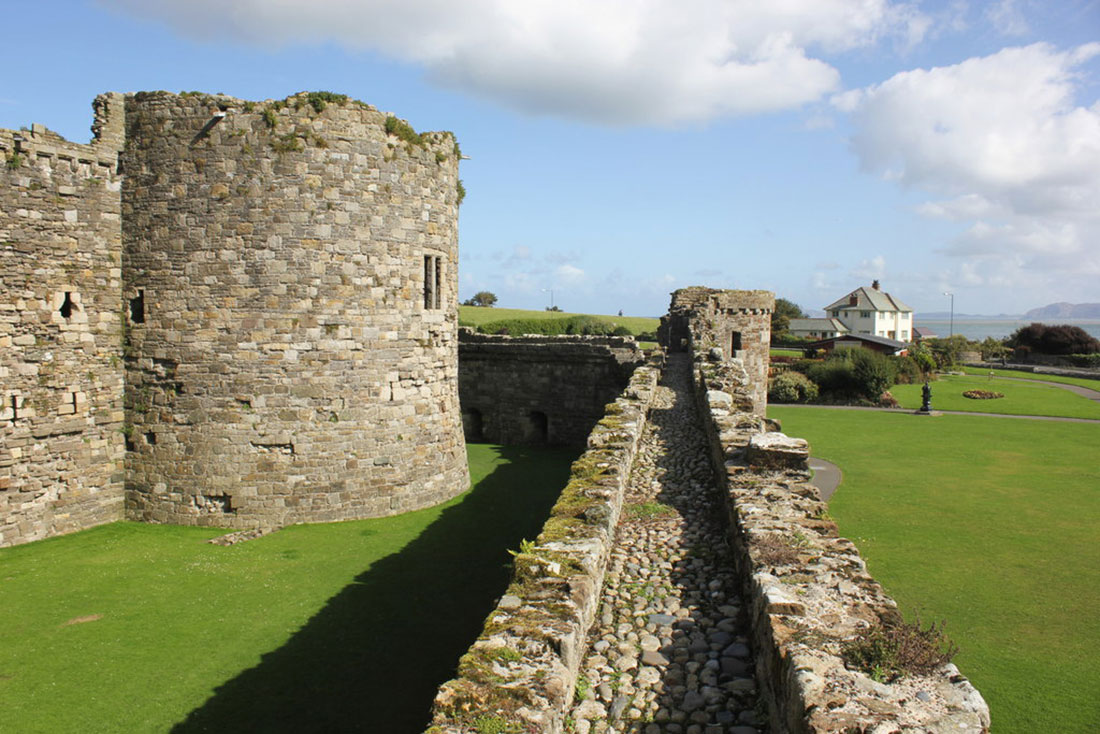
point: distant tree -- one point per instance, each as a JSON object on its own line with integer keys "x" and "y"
{"x": 1063, "y": 339}
{"x": 552, "y": 308}
{"x": 481, "y": 298}
{"x": 782, "y": 314}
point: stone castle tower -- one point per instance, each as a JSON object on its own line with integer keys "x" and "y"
{"x": 275, "y": 310}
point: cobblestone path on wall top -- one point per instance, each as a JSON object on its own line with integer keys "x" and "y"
{"x": 669, "y": 652}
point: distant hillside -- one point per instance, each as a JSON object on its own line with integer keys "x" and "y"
{"x": 1065, "y": 311}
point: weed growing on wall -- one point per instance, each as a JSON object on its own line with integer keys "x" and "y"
{"x": 892, "y": 650}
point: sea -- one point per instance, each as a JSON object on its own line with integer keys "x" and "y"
{"x": 979, "y": 329}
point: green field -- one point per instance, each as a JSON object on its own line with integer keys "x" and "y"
{"x": 477, "y": 315}
{"x": 1021, "y": 375}
{"x": 1020, "y": 397}
{"x": 989, "y": 523}
{"x": 142, "y": 628}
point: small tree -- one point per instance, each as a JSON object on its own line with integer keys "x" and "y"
{"x": 782, "y": 314}
{"x": 481, "y": 298}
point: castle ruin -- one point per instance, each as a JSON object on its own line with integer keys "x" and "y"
{"x": 227, "y": 313}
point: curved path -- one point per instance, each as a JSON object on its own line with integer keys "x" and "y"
{"x": 936, "y": 411}
{"x": 827, "y": 476}
{"x": 1085, "y": 392}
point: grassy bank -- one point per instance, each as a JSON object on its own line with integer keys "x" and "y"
{"x": 475, "y": 316}
{"x": 142, "y": 628}
{"x": 987, "y": 523}
{"x": 1021, "y": 375}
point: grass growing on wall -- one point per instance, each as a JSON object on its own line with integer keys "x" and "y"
{"x": 990, "y": 524}
{"x": 1020, "y": 397}
{"x": 475, "y": 316}
{"x": 142, "y": 628}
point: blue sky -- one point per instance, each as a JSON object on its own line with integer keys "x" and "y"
{"x": 620, "y": 149}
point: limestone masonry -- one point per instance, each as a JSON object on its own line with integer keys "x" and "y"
{"x": 257, "y": 300}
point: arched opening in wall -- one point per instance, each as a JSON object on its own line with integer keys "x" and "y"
{"x": 67, "y": 306}
{"x": 473, "y": 425}
{"x": 735, "y": 343}
{"x": 537, "y": 430}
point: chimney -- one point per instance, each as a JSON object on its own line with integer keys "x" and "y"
{"x": 875, "y": 285}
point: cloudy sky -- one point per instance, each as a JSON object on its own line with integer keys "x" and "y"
{"x": 624, "y": 148}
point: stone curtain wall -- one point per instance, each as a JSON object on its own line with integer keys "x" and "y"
{"x": 724, "y": 325}
{"x": 291, "y": 275}
{"x": 809, "y": 589}
{"x": 540, "y": 389}
{"x": 61, "y": 383}
{"x": 524, "y": 665}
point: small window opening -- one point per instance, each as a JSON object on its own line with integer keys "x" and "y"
{"x": 735, "y": 343}
{"x": 74, "y": 402}
{"x": 538, "y": 427}
{"x": 433, "y": 280}
{"x": 473, "y": 425}
{"x": 14, "y": 409}
{"x": 137, "y": 308}
{"x": 66, "y": 309}
{"x": 151, "y": 438}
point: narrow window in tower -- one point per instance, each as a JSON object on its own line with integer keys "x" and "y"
{"x": 14, "y": 408}
{"x": 438, "y": 281}
{"x": 429, "y": 282}
{"x": 66, "y": 309}
{"x": 137, "y": 308}
{"x": 735, "y": 343}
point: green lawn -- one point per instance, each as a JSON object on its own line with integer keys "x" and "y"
{"x": 146, "y": 628}
{"x": 778, "y": 352}
{"x": 990, "y": 524}
{"x": 1020, "y": 398}
{"x": 477, "y": 315}
{"x": 1019, "y": 374}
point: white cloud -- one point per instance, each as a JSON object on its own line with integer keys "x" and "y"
{"x": 613, "y": 61}
{"x": 568, "y": 274}
{"x": 1008, "y": 18}
{"x": 1016, "y": 156}
{"x": 870, "y": 269}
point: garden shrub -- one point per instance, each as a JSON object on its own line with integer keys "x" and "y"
{"x": 1062, "y": 339}
{"x": 792, "y": 387}
{"x": 854, "y": 374}
{"x": 571, "y": 325}
{"x": 907, "y": 370}
{"x": 621, "y": 331}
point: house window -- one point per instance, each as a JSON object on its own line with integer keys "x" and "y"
{"x": 904, "y": 335}
{"x": 865, "y": 314}
{"x": 433, "y": 281}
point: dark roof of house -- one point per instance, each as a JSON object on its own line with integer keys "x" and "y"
{"x": 880, "y": 340}
{"x": 868, "y": 299}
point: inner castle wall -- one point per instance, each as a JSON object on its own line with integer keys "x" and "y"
{"x": 61, "y": 387}
{"x": 260, "y": 315}
{"x": 547, "y": 390}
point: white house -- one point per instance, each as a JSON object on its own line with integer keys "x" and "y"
{"x": 873, "y": 312}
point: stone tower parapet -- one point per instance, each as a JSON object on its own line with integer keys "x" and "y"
{"x": 61, "y": 384}
{"x": 723, "y": 326}
{"x": 290, "y": 274}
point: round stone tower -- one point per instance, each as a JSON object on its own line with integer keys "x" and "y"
{"x": 290, "y": 285}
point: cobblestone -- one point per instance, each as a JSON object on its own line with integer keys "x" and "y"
{"x": 669, "y": 653}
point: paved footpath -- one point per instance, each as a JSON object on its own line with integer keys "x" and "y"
{"x": 668, "y": 653}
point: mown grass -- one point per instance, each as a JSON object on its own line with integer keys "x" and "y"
{"x": 1020, "y": 398}
{"x": 477, "y": 315}
{"x": 147, "y": 628}
{"x": 1021, "y": 375}
{"x": 989, "y": 524}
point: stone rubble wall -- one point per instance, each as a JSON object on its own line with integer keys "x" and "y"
{"x": 61, "y": 377}
{"x": 504, "y": 380}
{"x": 809, "y": 589}
{"x": 290, "y": 356}
{"x": 523, "y": 667}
